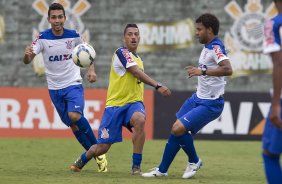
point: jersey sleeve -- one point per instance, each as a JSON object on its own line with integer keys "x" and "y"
{"x": 125, "y": 57}
{"x": 272, "y": 37}
{"x": 37, "y": 45}
{"x": 218, "y": 53}
{"x": 79, "y": 39}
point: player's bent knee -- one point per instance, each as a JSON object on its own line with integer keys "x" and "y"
{"x": 140, "y": 124}
{"x": 138, "y": 121}
{"x": 74, "y": 116}
{"x": 178, "y": 129}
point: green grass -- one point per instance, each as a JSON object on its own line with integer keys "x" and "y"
{"x": 38, "y": 161}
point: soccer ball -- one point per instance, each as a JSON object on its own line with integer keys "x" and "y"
{"x": 83, "y": 55}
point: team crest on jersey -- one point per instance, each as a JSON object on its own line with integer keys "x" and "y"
{"x": 73, "y": 21}
{"x": 69, "y": 44}
{"x": 105, "y": 133}
{"x": 245, "y": 38}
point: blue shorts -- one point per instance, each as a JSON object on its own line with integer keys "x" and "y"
{"x": 272, "y": 137}
{"x": 114, "y": 118}
{"x": 69, "y": 99}
{"x": 195, "y": 113}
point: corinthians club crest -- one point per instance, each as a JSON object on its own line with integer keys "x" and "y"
{"x": 245, "y": 38}
{"x": 73, "y": 22}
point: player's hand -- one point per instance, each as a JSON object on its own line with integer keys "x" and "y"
{"x": 275, "y": 116}
{"x": 193, "y": 71}
{"x": 91, "y": 76}
{"x": 164, "y": 91}
{"x": 28, "y": 51}
{"x": 28, "y": 55}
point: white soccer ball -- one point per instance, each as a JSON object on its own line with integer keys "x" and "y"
{"x": 83, "y": 55}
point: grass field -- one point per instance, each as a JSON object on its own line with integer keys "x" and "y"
{"x": 38, "y": 161}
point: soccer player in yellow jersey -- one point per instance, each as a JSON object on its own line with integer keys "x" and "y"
{"x": 124, "y": 106}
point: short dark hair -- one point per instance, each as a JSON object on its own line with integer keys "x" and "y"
{"x": 128, "y": 26}
{"x": 56, "y": 6}
{"x": 209, "y": 20}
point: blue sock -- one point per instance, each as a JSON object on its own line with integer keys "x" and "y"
{"x": 82, "y": 139}
{"x": 171, "y": 149}
{"x": 272, "y": 169}
{"x": 84, "y": 158}
{"x": 84, "y": 126}
{"x": 187, "y": 144}
{"x": 136, "y": 159}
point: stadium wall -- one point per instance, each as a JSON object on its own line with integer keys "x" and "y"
{"x": 167, "y": 38}
{"x": 28, "y": 112}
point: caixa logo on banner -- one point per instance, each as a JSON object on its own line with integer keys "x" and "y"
{"x": 73, "y": 21}
{"x": 245, "y": 38}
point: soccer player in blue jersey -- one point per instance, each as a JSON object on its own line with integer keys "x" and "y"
{"x": 124, "y": 106}
{"x": 203, "y": 106}
{"x": 63, "y": 76}
{"x": 272, "y": 135}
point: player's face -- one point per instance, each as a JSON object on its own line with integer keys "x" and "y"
{"x": 131, "y": 38}
{"x": 201, "y": 33}
{"x": 57, "y": 20}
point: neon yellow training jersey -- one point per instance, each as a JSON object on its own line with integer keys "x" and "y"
{"x": 123, "y": 87}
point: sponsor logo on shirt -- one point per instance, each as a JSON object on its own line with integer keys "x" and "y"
{"x": 186, "y": 119}
{"x": 218, "y": 51}
{"x": 268, "y": 32}
{"x": 127, "y": 56}
{"x": 62, "y": 57}
{"x": 36, "y": 39}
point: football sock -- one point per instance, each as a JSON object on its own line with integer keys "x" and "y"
{"x": 136, "y": 159}
{"x": 187, "y": 144}
{"x": 84, "y": 158}
{"x": 85, "y": 127}
{"x": 272, "y": 169}
{"x": 82, "y": 139}
{"x": 171, "y": 149}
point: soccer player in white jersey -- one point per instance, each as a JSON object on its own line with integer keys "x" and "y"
{"x": 203, "y": 106}
{"x": 272, "y": 135}
{"x": 63, "y": 76}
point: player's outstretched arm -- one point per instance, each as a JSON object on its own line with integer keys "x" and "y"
{"x": 224, "y": 69}
{"x": 28, "y": 55}
{"x": 143, "y": 77}
{"x": 91, "y": 74}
